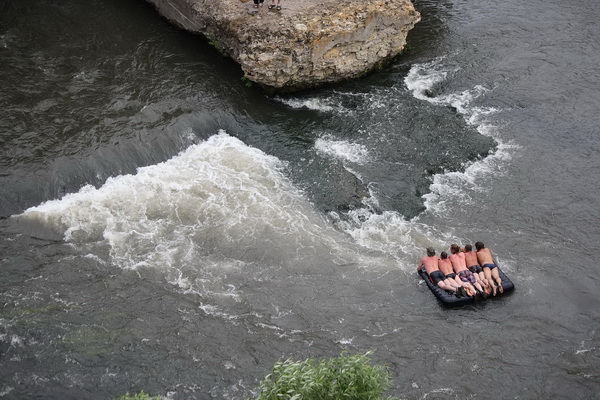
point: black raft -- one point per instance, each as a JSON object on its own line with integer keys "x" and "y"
{"x": 450, "y": 300}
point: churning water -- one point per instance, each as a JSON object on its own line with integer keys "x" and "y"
{"x": 165, "y": 228}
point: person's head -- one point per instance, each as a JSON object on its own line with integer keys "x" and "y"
{"x": 430, "y": 251}
{"x": 468, "y": 247}
{"x": 479, "y": 245}
{"x": 454, "y": 248}
{"x": 444, "y": 255}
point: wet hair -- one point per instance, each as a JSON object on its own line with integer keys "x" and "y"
{"x": 479, "y": 245}
{"x": 430, "y": 251}
{"x": 454, "y": 248}
{"x": 468, "y": 247}
{"x": 444, "y": 255}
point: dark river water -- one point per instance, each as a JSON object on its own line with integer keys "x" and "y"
{"x": 166, "y": 228}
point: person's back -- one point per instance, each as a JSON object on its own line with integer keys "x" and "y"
{"x": 475, "y": 268}
{"x": 460, "y": 267}
{"x": 490, "y": 269}
{"x": 445, "y": 265}
{"x": 457, "y": 259}
{"x": 484, "y": 255}
{"x": 470, "y": 256}
{"x": 430, "y": 262}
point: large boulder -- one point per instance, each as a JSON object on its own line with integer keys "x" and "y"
{"x": 308, "y": 43}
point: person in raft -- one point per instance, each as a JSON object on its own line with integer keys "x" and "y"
{"x": 475, "y": 268}
{"x": 258, "y": 3}
{"x": 445, "y": 266}
{"x": 460, "y": 268}
{"x": 272, "y": 5}
{"x": 490, "y": 269}
{"x": 430, "y": 262}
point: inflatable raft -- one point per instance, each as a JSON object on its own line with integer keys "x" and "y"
{"x": 450, "y": 300}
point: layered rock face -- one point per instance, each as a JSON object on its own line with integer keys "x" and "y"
{"x": 308, "y": 43}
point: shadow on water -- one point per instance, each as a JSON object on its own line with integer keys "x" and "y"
{"x": 427, "y": 39}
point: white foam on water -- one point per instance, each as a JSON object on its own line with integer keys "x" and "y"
{"x": 95, "y": 258}
{"x": 389, "y": 233}
{"x": 445, "y": 391}
{"x": 459, "y": 187}
{"x": 3, "y": 41}
{"x": 422, "y": 78}
{"x": 451, "y": 188}
{"x": 317, "y": 104}
{"x": 582, "y": 348}
{"x": 229, "y": 365}
{"x": 337, "y": 102}
{"x": 13, "y": 340}
{"x": 342, "y": 149}
{"x": 215, "y": 210}
{"x": 209, "y": 196}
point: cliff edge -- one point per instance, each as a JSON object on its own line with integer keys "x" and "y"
{"x": 306, "y": 44}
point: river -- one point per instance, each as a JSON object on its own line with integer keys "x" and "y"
{"x": 166, "y": 228}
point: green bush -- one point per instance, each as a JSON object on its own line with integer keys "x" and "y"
{"x": 344, "y": 377}
{"x": 139, "y": 396}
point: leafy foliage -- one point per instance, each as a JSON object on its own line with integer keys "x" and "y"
{"x": 345, "y": 377}
{"x": 215, "y": 42}
{"x": 139, "y": 396}
{"x": 247, "y": 82}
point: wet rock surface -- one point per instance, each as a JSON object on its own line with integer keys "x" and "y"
{"x": 306, "y": 43}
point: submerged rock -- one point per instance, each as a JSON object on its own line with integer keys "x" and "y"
{"x": 306, "y": 44}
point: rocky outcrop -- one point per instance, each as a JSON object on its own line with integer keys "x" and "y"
{"x": 306, "y": 44}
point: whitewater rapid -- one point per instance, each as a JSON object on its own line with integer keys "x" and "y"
{"x": 224, "y": 200}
